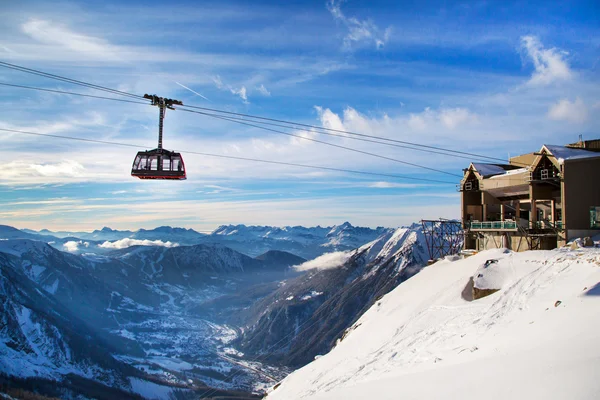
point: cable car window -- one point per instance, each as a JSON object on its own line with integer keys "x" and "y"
{"x": 153, "y": 163}
{"x": 166, "y": 164}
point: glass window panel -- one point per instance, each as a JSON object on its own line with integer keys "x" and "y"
{"x": 177, "y": 165}
{"x": 166, "y": 164}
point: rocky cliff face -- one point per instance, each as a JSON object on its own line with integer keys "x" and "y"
{"x": 306, "y": 315}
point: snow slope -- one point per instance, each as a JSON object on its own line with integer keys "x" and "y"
{"x": 423, "y": 341}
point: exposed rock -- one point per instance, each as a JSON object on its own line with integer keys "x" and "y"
{"x": 479, "y": 293}
{"x": 467, "y": 293}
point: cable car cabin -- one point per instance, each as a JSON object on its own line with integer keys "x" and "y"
{"x": 158, "y": 164}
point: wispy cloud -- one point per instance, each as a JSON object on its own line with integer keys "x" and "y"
{"x": 394, "y": 185}
{"x": 566, "y": 110}
{"x": 550, "y": 64}
{"x": 241, "y": 91}
{"x": 50, "y": 33}
{"x": 263, "y": 90}
{"x": 359, "y": 32}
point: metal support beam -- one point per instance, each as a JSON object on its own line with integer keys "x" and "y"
{"x": 162, "y": 103}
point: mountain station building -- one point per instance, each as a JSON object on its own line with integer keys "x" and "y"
{"x": 539, "y": 200}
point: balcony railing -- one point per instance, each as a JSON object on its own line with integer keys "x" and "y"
{"x": 547, "y": 225}
{"x": 494, "y": 225}
{"x": 511, "y": 225}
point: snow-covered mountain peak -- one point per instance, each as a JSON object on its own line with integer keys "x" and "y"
{"x": 18, "y": 247}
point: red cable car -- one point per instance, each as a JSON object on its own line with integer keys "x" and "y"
{"x": 159, "y": 163}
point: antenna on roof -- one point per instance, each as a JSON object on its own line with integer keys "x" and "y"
{"x": 580, "y": 138}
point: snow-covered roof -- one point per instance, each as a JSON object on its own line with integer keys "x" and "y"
{"x": 511, "y": 172}
{"x": 486, "y": 170}
{"x": 563, "y": 153}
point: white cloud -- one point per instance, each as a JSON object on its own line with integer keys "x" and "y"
{"x": 53, "y": 34}
{"x": 72, "y": 246}
{"x": 329, "y": 119}
{"x": 241, "y": 92}
{"x": 359, "y": 31}
{"x": 326, "y": 261}
{"x": 301, "y": 136}
{"x": 64, "y": 168}
{"x": 263, "y": 90}
{"x": 127, "y": 242}
{"x": 417, "y": 121}
{"x": 218, "y": 82}
{"x": 550, "y": 64}
{"x": 454, "y": 117}
{"x": 565, "y": 110}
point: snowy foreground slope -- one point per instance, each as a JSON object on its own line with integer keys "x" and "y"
{"x": 537, "y": 337}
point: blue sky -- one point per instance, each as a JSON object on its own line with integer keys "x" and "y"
{"x": 493, "y": 78}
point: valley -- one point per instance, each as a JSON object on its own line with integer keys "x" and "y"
{"x": 191, "y": 319}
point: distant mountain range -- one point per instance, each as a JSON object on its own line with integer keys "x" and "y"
{"x": 304, "y": 242}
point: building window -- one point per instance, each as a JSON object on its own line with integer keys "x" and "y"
{"x": 544, "y": 174}
{"x": 469, "y": 185}
{"x": 595, "y": 217}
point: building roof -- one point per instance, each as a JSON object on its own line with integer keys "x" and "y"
{"x": 562, "y": 153}
{"x": 487, "y": 170}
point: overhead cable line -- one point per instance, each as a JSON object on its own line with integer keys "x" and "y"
{"x": 325, "y": 143}
{"x": 348, "y": 133}
{"x": 237, "y": 119}
{"x": 68, "y": 80}
{"x": 73, "y": 93}
{"x": 448, "y": 152}
{"x": 236, "y": 157}
{"x": 293, "y": 124}
{"x": 334, "y": 134}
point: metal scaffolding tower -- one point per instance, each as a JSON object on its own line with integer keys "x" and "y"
{"x": 443, "y": 237}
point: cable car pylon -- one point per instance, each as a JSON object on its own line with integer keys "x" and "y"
{"x": 159, "y": 163}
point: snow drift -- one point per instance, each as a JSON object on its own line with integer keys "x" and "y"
{"x": 537, "y": 337}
